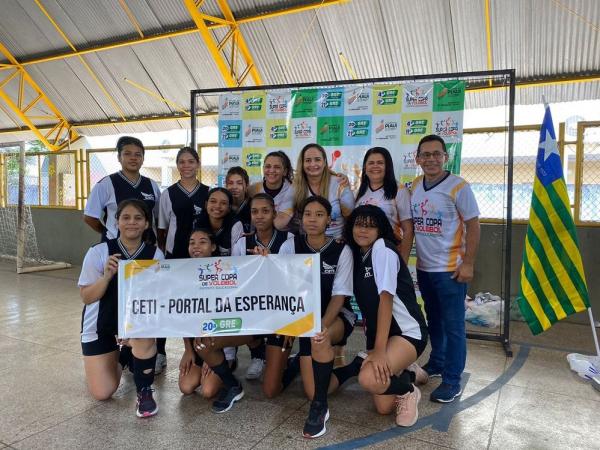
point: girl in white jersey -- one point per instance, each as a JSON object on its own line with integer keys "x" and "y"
{"x": 394, "y": 324}
{"x": 278, "y": 175}
{"x": 313, "y": 177}
{"x": 378, "y": 187}
{"x": 98, "y": 284}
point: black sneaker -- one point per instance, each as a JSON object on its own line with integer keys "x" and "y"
{"x": 226, "y": 398}
{"x": 146, "y": 406}
{"x": 318, "y": 416}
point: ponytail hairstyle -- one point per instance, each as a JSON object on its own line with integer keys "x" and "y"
{"x": 285, "y": 162}
{"x": 189, "y": 150}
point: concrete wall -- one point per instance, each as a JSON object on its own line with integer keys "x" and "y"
{"x": 62, "y": 236}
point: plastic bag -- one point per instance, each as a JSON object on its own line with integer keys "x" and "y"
{"x": 586, "y": 366}
{"x": 486, "y": 314}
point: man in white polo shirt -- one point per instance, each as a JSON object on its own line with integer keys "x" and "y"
{"x": 446, "y": 227}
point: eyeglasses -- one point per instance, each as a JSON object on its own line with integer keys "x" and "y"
{"x": 434, "y": 155}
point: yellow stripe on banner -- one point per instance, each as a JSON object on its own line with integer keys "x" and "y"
{"x": 308, "y": 262}
{"x": 533, "y": 300}
{"x": 562, "y": 274}
{"x": 139, "y": 265}
{"x": 299, "y": 327}
{"x": 538, "y": 268}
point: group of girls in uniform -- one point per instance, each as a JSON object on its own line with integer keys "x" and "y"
{"x": 363, "y": 245}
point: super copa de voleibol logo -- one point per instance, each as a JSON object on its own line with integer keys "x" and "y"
{"x": 218, "y": 274}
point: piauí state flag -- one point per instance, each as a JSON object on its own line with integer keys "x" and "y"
{"x": 552, "y": 279}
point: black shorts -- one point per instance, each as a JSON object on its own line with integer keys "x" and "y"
{"x": 305, "y": 345}
{"x": 418, "y": 344}
{"x": 106, "y": 343}
{"x": 275, "y": 340}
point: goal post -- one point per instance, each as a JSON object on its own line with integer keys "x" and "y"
{"x": 18, "y": 239}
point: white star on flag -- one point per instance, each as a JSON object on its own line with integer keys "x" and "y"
{"x": 549, "y": 146}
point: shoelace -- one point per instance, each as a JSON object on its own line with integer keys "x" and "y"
{"x": 146, "y": 393}
{"x": 401, "y": 403}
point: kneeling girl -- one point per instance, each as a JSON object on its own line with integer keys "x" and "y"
{"x": 395, "y": 327}
{"x": 103, "y": 361}
{"x": 337, "y": 322}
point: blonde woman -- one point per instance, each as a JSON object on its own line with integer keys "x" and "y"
{"x": 313, "y": 178}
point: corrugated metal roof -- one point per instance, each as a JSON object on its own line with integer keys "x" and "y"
{"x": 379, "y": 38}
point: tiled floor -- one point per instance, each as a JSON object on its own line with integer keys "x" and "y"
{"x": 530, "y": 401}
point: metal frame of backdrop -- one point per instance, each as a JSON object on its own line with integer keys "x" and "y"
{"x": 486, "y": 82}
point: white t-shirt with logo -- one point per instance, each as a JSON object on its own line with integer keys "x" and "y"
{"x": 340, "y": 198}
{"x": 439, "y": 215}
{"x": 396, "y": 209}
{"x": 284, "y": 200}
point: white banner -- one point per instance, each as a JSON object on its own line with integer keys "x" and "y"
{"x": 243, "y": 295}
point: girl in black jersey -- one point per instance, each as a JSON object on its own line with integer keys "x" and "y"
{"x": 193, "y": 372}
{"x": 236, "y": 182}
{"x": 218, "y": 217}
{"x": 180, "y": 205}
{"x": 99, "y": 291}
{"x": 266, "y": 239}
{"x": 395, "y": 327}
{"x": 316, "y": 353}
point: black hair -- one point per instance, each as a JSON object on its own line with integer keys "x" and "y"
{"x": 287, "y": 164}
{"x": 431, "y": 138}
{"x": 129, "y": 140}
{"x": 237, "y": 170}
{"x": 136, "y": 203}
{"x": 203, "y": 220}
{"x": 211, "y": 237}
{"x": 207, "y": 231}
{"x": 189, "y": 150}
{"x": 224, "y": 191}
{"x": 141, "y": 206}
{"x": 390, "y": 186}
{"x": 263, "y": 196}
{"x": 316, "y": 199}
{"x": 373, "y": 216}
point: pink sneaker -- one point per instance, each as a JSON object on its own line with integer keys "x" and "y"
{"x": 407, "y": 411}
{"x": 421, "y": 376}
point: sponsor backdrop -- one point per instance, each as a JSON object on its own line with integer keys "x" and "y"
{"x": 345, "y": 120}
{"x": 243, "y": 295}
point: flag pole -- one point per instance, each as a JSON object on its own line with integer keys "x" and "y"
{"x": 594, "y": 332}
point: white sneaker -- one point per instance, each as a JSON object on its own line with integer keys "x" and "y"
{"x": 161, "y": 363}
{"x": 255, "y": 369}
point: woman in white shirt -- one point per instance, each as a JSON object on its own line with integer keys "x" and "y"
{"x": 378, "y": 187}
